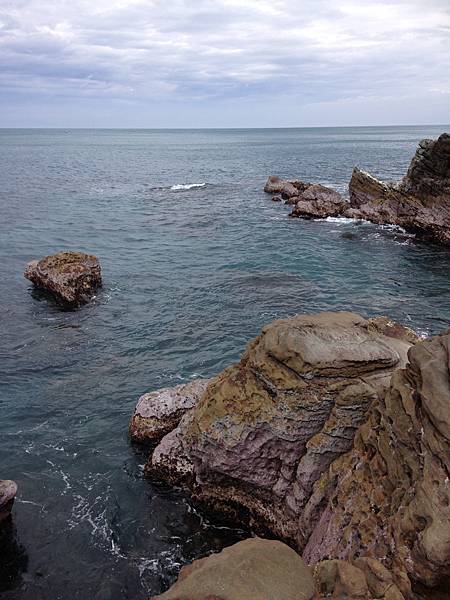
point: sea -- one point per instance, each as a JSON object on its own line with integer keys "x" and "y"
{"x": 196, "y": 259}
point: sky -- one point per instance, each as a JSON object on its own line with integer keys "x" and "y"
{"x": 224, "y": 63}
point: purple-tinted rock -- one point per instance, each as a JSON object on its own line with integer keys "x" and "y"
{"x": 8, "y": 491}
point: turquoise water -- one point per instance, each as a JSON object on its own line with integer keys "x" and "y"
{"x": 190, "y": 276}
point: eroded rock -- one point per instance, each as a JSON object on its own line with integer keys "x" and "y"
{"x": 158, "y": 413}
{"x": 71, "y": 277}
{"x": 333, "y": 433}
{"x": 259, "y": 569}
{"x": 319, "y": 202}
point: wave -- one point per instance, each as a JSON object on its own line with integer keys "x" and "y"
{"x": 187, "y": 186}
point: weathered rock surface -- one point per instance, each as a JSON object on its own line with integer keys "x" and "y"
{"x": 8, "y": 491}
{"x": 420, "y": 202}
{"x": 319, "y": 202}
{"x": 333, "y": 432}
{"x": 258, "y": 569}
{"x": 391, "y": 493}
{"x": 158, "y": 413}
{"x": 71, "y": 277}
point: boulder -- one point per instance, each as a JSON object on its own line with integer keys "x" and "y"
{"x": 254, "y": 569}
{"x": 260, "y": 569}
{"x": 71, "y": 277}
{"x": 319, "y": 202}
{"x": 158, "y": 413}
{"x": 8, "y": 491}
{"x": 420, "y": 203}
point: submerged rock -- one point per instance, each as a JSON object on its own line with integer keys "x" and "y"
{"x": 8, "y": 491}
{"x": 333, "y": 433}
{"x": 258, "y": 569}
{"x": 71, "y": 277}
{"x": 158, "y": 413}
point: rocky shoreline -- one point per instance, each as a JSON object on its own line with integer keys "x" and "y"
{"x": 419, "y": 203}
{"x": 332, "y": 433}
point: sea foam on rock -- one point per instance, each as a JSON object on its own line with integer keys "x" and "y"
{"x": 71, "y": 277}
{"x": 332, "y": 433}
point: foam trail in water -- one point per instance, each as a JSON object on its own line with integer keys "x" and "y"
{"x": 187, "y": 186}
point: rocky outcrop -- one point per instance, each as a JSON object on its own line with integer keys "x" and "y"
{"x": 8, "y": 491}
{"x": 319, "y": 202}
{"x": 419, "y": 203}
{"x": 332, "y": 433}
{"x": 258, "y": 569}
{"x": 158, "y": 413}
{"x": 391, "y": 494}
{"x": 71, "y": 277}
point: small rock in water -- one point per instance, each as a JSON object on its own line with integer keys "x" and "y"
{"x": 71, "y": 277}
{"x": 8, "y": 491}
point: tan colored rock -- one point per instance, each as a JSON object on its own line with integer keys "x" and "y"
{"x": 254, "y": 569}
{"x": 158, "y": 413}
{"x": 319, "y": 202}
{"x": 8, "y": 491}
{"x": 71, "y": 277}
{"x": 287, "y": 189}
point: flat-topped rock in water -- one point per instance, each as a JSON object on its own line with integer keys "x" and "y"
{"x": 158, "y": 413}
{"x": 8, "y": 491}
{"x": 71, "y": 277}
{"x": 259, "y": 569}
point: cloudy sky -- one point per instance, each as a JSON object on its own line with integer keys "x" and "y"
{"x": 224, "y": 63}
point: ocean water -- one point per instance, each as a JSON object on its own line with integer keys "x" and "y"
{"x": 196, "y": 258}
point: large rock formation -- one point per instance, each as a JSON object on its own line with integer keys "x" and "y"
{"x": 71, "y": 277}
{"x": 258, "y": 569}
{"x": 332, "y": 433}
{"x": 8, "y": 491}
{"x": 420, "y": 203}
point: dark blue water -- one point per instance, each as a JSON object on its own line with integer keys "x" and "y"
{"x": 190, "y": 276}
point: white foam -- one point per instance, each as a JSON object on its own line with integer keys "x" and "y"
{"x": 187, "y": 186}
{"x": 338, "y": 220}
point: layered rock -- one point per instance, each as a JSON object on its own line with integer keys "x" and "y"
{"x": 332, "y": 433}
{"x": 8, "y": 491}
{"x": 258, "y": 569}
{"x": 391, "y": 494}
{"x": 71, "y": 277}
{"x": 420, "y": 203}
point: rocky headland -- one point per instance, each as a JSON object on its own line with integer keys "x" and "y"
{"x": 419, "y": 203}
{"x": 72, "y": 278}
{"x": 332, "y": 433}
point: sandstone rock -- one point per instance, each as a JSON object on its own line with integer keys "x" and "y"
{"x": 158, "y": 413}
{"x": 266, "y": 429}
{"x": 419, "y": 203}
{"x": 71, "y": 277}
{"x": 332, "y": 433}
{"x": 8, "y": 491}
{"x": 254, "y": 569}
{"x": 287, "y": 189}
{"x": 391, "y": 496}
{"x": 259, "y": 569}
{"x": 319, "y": 202}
